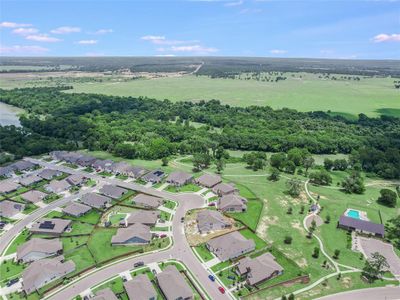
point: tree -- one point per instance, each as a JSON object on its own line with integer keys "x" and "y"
{"x": 315, "y": 253}
{"x": 353, "y": 184}
{"x": 290, "y": 167}
{"x": 393, "y": 231}
{"x": 284, "y": 297}
{"x": 255, "y": 160}
{"x": 294, "y": 187}
{"x": 164, "y": 161}
{"x": 291, "y": 297}
{"x": 375, "y": 266}
{"x": 328, "y": 164}
{"x": 220, "y": 164}
{"x": 201, "y": 161}
{"x": 388, "y": 198}
{"x": 340, "y": 164}
{"x": 289, "y": 210}
{"x": 336, "y": 254}
{"x": 308, "y": 163}
{"x": 327, "y": 219}
{"x": 274, "y": 176}
{"x": 288, "y": 240}
{"x": 321, "y": 177}
{"x": 278, "y": 160}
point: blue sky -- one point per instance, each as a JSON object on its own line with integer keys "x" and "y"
{"x": 327, "y": 29}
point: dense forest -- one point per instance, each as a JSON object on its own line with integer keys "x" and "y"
{"x": 150, "y": 129}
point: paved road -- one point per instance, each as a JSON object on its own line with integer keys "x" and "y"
{"x": 382, "y": 293}
{"x": 8, "y": 236}
{"x": 180, "y": 249}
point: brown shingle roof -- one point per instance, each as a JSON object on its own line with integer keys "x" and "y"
{"x": 208, "y": 180}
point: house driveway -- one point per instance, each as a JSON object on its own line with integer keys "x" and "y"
{"x": 369, "y": 246}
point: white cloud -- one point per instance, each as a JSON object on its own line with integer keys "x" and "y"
{"x": 103, "y": 31}
{"x": 277, "y": 51}
{"x": 162, "y": 40}
{"x": 193, "y": 48}
{"x": 25, "y": 31}
{"x": 166, "y": 55}
{"x": 13, "y": 25}
{"x": 236, "y": 3}
{"x": 22, "y": 50}
{"x": 87, "y": 42}
{"x": 383, "y": 37}
{"x": 42, "y": 38}
{"x": 250, "y": 11}
{"x": 65, "y": 30}
{"x": 153, "y": 38}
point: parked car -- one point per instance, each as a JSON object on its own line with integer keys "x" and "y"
{"x": 182, "y": 219}
{"x": 212, "y": 278}
{"x": 211, "y": 204}
{"x": 221, "y": 289}
{"x": 139, "y": 264}
{"x": 124, "y": 279}
{"x": 12, "y": 281}
{"x": 154, "y": 272}
{"x": 231, "y": 277}
{"x": 163, "y": 235}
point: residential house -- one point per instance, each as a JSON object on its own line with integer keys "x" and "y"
{"x": 76, "y": 209}
{"x": 72, "y": 157}
{"x": 232, "y": 203}
{"x": 140, "y": 288}
{"x": 29, "y": 180}
{"x": 22, "y": 165}
{"x": 211, "y": 220}
{"x": 9, "y": 209}
{"x": 137, "y": 234}
{"x": 102, "y": 164}
{"x": 259, "y": 269}
{"x": 105, "y": 294}
{"x": 208, "y": 180}
{"x": 6, "y": 171}
{"x": 8, "y": 186}
{"x": 76, "y": 179}
{"x": 58, "y": 155}
{"x": 85, "y": 160}
{"x": 173, "y": 285}
{"x": 222, "y": 189}
{"x": 54, "y": 227}
{"x": 146, "y": 217}
{"x": 154, "y": 176}
{"x": 95, "y": 200}
{"x": 363, "y": 226}
{"x": 120, "y": 167}
{"x": 57, "y": 186}
{"x": 179, "y": 178}
{"x": 49, "y": 174}
{"x": 38, "y": 248}
{"x": 43, "y": 271}
{"x": 113, "y": 191}
{"x": 137, "y": 172}
{"x": 230, "y": 245}
{"x": 34, "y": 196}
{"x": 147, "y": 201}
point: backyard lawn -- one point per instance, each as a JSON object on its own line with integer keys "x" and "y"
{"x": 203, "y": 252}
{"x": 20, "y": 239}
{"x": 10, "y": 269}
{"x": 248, "y": 234}
{"x": 79, "y": 228}
{"x": 70, "y": 243}
{"x": 251, "y": 216}
{"x": 81, "y": 257}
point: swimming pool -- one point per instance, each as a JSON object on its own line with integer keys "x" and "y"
{"x": 353, "y": 214}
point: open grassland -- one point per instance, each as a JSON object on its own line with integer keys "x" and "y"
{"x": 301, "y": 91}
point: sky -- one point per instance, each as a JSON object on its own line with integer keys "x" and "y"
{"x": 348, "y": 29}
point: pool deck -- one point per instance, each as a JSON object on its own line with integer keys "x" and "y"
{"x": 362, "y": 215}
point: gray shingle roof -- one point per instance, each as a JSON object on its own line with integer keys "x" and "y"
{"x": 8, "y": 185}
{"x": 95, "y": 200}
{"x": 57, "y": 186}
{"x": 6, "y": 171}
{"x": 148, "y": 217}
{"x": 173, "y": 285}
{"x": 45, "y": 270}
{"x": 113, "y": 191}
{"x": 33, "y": 196}
{"x": 179, "y": 178}
{"x": 49, "y": 173}
{"x": 230, "y": 245}
{"x": 147, "y": 200}
{"x": 76, "y": 209}
{"x": 50, "y": 226}
{"x": 210, "y": 219}
{"x": 208, "y": 180}
{"x": 231, "y": 201}
{"x": 135, "y": 234}
{"x": 223, "y": 189}
{"x": 22, "y": 165}
{"x": 140, "y": 288}
{"x": 9, "y": 209}
{"x": 47, "y": 247}
{"x": 75, "y": 179}
{"x": 259, "y": 268}
{"x": 30, "y": 179}
{"x": 105, "y": 294}
{"x": 362, "y": 225}
{"x": 154, "y": 176}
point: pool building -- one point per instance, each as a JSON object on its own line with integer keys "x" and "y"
{"x": 356, "y": 220}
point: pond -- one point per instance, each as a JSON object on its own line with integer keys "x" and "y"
{"x": 9, "y": 115}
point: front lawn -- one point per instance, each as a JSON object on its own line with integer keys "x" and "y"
{"x": 116, "y": 285}
{"x": 221, "y": 266}
{"x": 229, "y": 276}
{"x": 170, "y": 204}
{"x": 203, "y": 252}
{"x": 251, "y": 216}
{"x": 165, "y": 216}
{"x": 72, "y": 166}
{"x": 90, "y": 183}
{"x": 185, "y": 188}
{"x": 104, "y": 173}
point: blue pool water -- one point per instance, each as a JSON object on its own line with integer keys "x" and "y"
{"x": 353, "y": 214}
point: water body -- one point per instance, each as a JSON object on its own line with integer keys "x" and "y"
{"x": 9, "y": 115}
